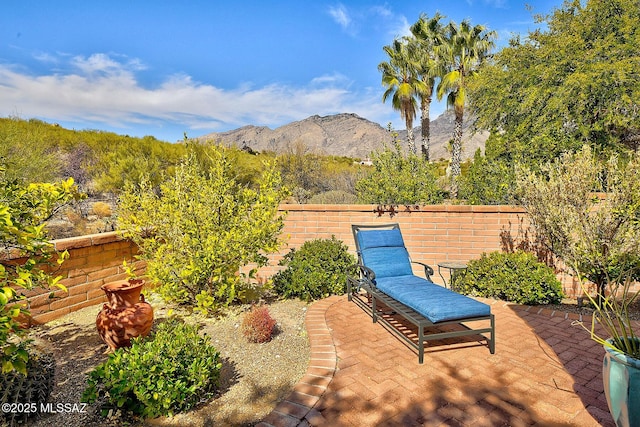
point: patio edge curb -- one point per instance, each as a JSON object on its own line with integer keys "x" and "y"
{"x": 298, "y": 408}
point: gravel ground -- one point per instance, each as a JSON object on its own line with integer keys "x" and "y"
{"x": 254, "y": 377}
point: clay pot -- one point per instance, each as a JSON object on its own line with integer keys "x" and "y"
{"x": 126, "y": 315}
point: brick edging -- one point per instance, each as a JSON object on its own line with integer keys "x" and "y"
{"x": 298, "y": 408}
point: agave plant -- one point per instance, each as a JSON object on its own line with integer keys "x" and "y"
{"x": 612, "y": 313}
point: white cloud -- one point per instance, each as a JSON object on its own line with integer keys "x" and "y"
{"x": 330, "y": 79}
{"x": 499, "y": 4}
{"x": 401, "y": 28}
{"x": 106, "y": 91}
{"x": 340, "y": 14}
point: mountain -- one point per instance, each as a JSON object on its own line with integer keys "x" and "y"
{"x": 345, "y": 135}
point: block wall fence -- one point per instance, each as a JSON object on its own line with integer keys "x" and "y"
{"x": 433, "y": 234}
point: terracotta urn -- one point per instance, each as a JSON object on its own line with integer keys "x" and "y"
{"x": 126, "y": 315}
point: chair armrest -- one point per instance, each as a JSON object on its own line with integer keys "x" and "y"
{"x": 366, "y": 277}
{"x": 428, "y": 271}
{"x": 367, "y": 273}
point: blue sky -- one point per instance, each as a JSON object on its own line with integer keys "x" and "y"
{"x": 162, "y": 68}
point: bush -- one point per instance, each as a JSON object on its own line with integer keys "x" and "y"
{"x": 396, "y": 179}
{"x": 257, "y": 325}
{"x": 488, "y": 181}
{"x": 24, "y": 210}
{"x": 201, "y": 226}
{"x": 170, "y": 371}
{"x": 333, "y": 197}
{"x": 518, "y": 277}
{"x": 316, "y": 270}
{"x": 101, "y": 210}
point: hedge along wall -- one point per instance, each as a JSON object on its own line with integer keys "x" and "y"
{"x": 433, "y": 234}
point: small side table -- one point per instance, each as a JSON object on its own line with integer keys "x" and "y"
{"x": 453, "y": 267}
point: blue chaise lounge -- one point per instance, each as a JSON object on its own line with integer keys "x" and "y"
{"x": 386, "y": 283}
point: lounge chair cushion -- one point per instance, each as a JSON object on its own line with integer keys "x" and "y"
{"x": 436, "y": 303}
{"x": 384, "y": 252}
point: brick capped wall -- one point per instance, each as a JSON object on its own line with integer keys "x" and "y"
{"x": 433, "y": 234}
{"x": 93, "y": 261}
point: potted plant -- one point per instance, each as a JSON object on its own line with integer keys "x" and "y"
{"x": 621, "y": 363}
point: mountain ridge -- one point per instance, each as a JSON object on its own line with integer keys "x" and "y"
{"x": 345, "y": 134}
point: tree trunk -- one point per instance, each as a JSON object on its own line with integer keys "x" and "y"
{"x": 410, "y": 138}
{"x": 456, "y": 154}
{"x": 426, "y": 131}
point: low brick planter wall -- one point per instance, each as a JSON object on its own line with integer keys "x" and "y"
{"x": 93, "y": 261}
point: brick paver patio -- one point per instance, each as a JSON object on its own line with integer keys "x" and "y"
{"x": 545, "y": 372}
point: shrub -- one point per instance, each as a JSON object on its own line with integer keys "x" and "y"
{"x": 396, "y": 179}
{"x": 316, "y": 270}
{"x": 24, "y": 210}
{"x": 333, "y": 197}
{"x": 258, "y": 324}
{"x": 488, "y": 181}
{"x": 101, "y": 209}
{"x": 170, "y": 371}
{"x": 517, "y": 277}
{"x": 201, "y": 226}
{"x": 596, "y": 237}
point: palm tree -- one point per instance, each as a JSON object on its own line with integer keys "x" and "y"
{"x": 400, "y": 77}
{"x": 424, "y": 46}
{"x": 464, "y": 50}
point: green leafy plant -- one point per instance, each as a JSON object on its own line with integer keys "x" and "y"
{"x": 257, "y": 325}
{"x": 399, "y": 179}
{"x": 595, "y": 235}
{"x": 170, "y": 371}
{"x": 201, "y": 226}
{"x": 612, "y": 313}
{"x": 490, "y": 179}
{"x": 333, "y": 197}
{"x": 517, "y": 277}
{"x": 316, "y": 270}
{"x": 27, "y": 257}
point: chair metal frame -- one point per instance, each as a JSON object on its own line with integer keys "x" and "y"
{"x": 374, "y": 300}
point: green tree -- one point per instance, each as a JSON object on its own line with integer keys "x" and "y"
{"x": 574, "y": 83}
{"x": 201, "y": 226}
{"x": 397, "y": 179}
{"x": 598, "y": 237}
{"x": 24, "y": 210}
{"x": 464, "y": 51}
{"x": 490, "y": 179}
{"x": 400, "y": 76}
{"x": 427, "y": 37}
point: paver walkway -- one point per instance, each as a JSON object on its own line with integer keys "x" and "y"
{"x": 545, "y": 372}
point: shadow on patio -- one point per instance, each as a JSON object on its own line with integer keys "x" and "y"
{"x": 546, "y": 371}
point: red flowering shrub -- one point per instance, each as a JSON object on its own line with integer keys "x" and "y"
{"x": 258, "y": 324}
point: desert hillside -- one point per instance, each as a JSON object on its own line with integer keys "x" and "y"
{"x": 344, "y": 135}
